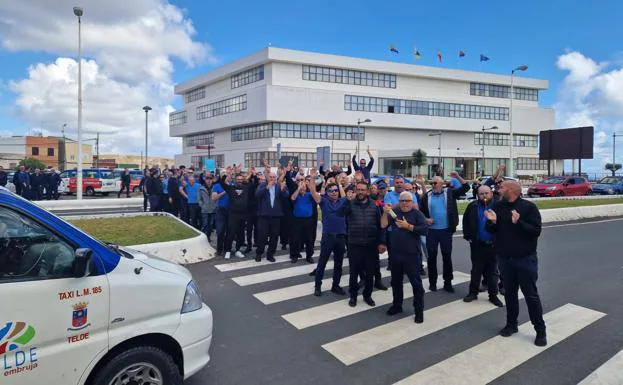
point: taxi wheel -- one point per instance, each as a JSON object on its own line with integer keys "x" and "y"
{"x": 146, "y": 365}
{"x": 90, "y": 191}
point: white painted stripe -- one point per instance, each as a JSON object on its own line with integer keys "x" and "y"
{"x": 610, "y": 373}
{"x": 302, "y": 290}
{"x": 489, "y": 360}
{"x": 324, "y": 313}
{"x": 274, "y": 275}
{"x": 249, "y": 263}
{"x": 368, "y": 343}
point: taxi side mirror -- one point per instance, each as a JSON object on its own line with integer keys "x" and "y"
{"x": 83, "y": 263}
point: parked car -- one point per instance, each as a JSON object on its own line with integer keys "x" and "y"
{"x": 379, "y": 178}
{"x": 609, "y": 185}
{"x": 558, "y": 186}
{"x": 76, "y": 311}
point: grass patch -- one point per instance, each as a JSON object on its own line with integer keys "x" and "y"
{"x": 557, "y": 204}
{"x": 135, "y": 230}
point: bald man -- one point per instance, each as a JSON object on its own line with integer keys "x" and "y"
{"x": 516, "y": 224}
{"x": 481, "y": 249}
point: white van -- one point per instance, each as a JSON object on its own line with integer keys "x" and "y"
{"x": 76, "y": 311}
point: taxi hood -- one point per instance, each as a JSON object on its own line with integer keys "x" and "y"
{"x": 158, "y": 263}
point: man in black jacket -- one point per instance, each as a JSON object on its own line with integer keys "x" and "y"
{"x": 365, "y": 241}
{"x": 153, "y": 186}
{"x": 238, "y": 206}
{"x": 484, "y": 260}
{"x": 125, "y": 183}
{"x": 516, "y": 224}
{"x": 37, "y": 181}
{"x": 3, "y": 177}
{"x": 440, "y": 207}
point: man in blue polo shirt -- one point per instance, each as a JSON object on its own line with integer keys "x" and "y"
{"x": 333, "y": 235}
{"x": 222, "y": 215}
{"x": 303, "y": 221}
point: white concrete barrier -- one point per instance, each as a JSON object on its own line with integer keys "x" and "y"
{"x": 97, "y": 203}
{"x": 185, "y": 251}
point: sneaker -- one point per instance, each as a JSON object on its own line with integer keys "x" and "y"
{"x": 379, "y": 285}
{"x": 508, "y": 330}
{"x": 309, "y": 259}
{"x": 293, "y": 260}
{"x": 495, "y": 300}
{"x": 419, "y": 318}
{"x": 471, "y": 297}
{"x": 448, "y": 287}
{"x": 352, "y": 302}
{"x": 227, "y": 255}
{"x": 432, "y": 287}
{"x": 338, "y": 290}
{"x": 258, "y": 258}
{"x": 239, "y": 254}
{"x": 313, "y": 273}
{"x": 271, "y": 259}
{"x": 541, "y": 339}
{"x": 317, "y": 292}
{"x": 394, "y": 310}
{"x": 369, "y": 301}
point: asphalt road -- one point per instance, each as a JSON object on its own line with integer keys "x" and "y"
{"x": 579, "y": 264}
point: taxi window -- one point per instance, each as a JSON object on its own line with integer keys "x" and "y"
{"x": 29, "y": 251}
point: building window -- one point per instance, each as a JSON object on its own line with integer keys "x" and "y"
{"x": 196, "y": 94}
{"x": 497, "y": 91}
{"x": 495, "y": 139}
{"x": 531, "y": 164}
{"x": 298, "y": 131}
{"x": 199, "y": 160}
{"x": 247, "y": 77}
{"x": 344, "y": 76}
{"x": 35, "y": 151}
{"x": 198, "y": 140}
{"x": 50, "y": 152}
{"x": 417, "y": 107}
{"x": 177, "y": 118}
{"x": 222, "y": 107}
{"x": 305, "y": 159}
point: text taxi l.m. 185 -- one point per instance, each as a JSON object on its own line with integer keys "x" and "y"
{"x": 76, "y": 311}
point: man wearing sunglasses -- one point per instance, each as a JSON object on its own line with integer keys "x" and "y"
{"x": 440, "y": 207}
{"x": 333, "y": 235}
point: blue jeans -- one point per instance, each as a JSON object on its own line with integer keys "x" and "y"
{"x": 434, "y": 240}
{"x": 336, "y": 244}
{"x": 207, "y": 223}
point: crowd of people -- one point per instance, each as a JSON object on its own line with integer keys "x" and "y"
{"x": 33, "y": 183}
{"x": 250, "y": 209}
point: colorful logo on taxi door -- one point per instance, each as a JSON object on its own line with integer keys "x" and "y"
{"x": 15, "y": 358}
{"x": 79, "y": 317}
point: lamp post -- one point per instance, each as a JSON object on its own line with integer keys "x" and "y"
{"x": 358, "y": 132}
{"x": 146, "y": 109}
{"x": 614, "y": 140}
{"x": 510, "y": 117}
{"x": 483, "y": 146}
{"x": 79, "y": 12}
{"x": 439, "y": 134}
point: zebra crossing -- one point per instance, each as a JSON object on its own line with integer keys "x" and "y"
{"x": 279, "y": 283}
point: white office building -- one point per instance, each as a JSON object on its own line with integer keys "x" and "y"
{"x": 240, "y": 112}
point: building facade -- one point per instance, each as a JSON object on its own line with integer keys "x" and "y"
{"x": 242, "y": 112}
{"x": 44, "y": 149}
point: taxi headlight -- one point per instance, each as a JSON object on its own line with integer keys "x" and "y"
{"x": 192, "y": 298}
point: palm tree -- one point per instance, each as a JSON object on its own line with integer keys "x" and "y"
{"x": 418, "y": 159}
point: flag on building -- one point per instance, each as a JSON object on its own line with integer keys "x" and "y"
{"x": 393, "y": 49}
{"x": 483, "y": 58}
{"x": 439, "y": 57}
{"x": 416, "y": 53}
{"x": 461, "y": 53}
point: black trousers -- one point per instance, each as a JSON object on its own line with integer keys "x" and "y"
{"x": 235, "y": 229}
{"x": 362, "y": 263}
{"x": 154, "y": 203}
{"x": 125, "y": 187}
{"x": 285, "y": 229}
{"x": 175, "y": 206}
{"x": 268, "y": 231}
{"x": 484, "y": 261}
{"x": 301, "y": 234}
{"x": 336, "y": 244}
{"x": 194, "y": 215}
{"x": 434, "y": 240}
{"x": 251, "y": 228}
{"x": 522, "y": 273}
{"x": 51, "y": 192}
{"x": 410, "y": 266}
{"x": 184, "y": 214}
{"x": 145, "y": 200}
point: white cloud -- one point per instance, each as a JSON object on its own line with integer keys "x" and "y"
{"x": 591, "y": 94}
{"x": 129, "y": 48}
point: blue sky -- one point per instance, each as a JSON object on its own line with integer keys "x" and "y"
{"x": 535, "y": 33}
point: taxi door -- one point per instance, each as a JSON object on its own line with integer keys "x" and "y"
{"x": 54, "y": 320}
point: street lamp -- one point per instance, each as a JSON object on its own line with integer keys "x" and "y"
{"x": 483, "y": 146}
{"x": 614, "y": 140}
{"x": 79, "y": 12}
{"x": 359, "y": 132}
{"x": 510, "y": 117}
{"x": 439, "y": 134}
{"x": 146, "y": 109}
